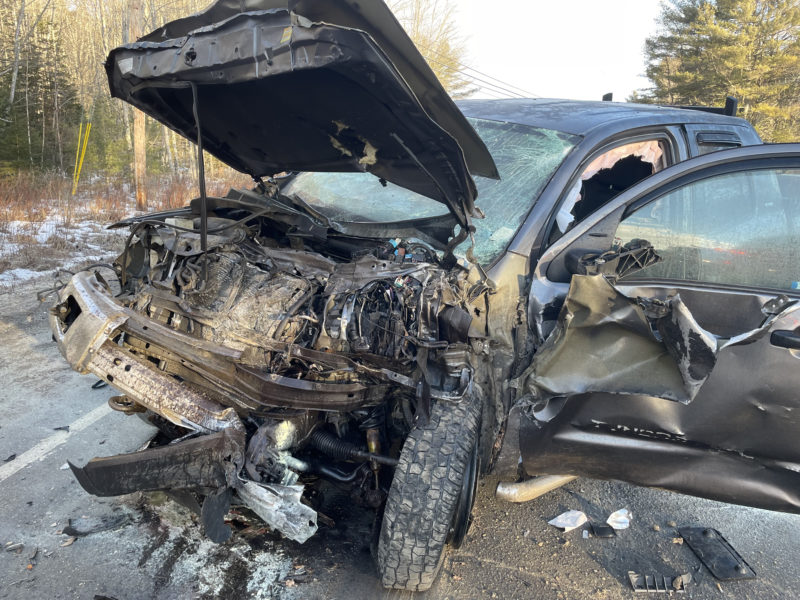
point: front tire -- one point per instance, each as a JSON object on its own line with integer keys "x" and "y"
{"x": 433, "y": 485}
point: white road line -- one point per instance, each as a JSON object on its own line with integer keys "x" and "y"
{"x": 47, "y": 445}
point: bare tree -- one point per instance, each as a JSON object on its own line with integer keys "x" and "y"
{"x": 431, "y": 26}
{"x": 139, "y": 129}
{"x": 19, "y": 42}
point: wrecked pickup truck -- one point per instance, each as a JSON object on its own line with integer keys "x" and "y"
{"x": 611, "y": 310}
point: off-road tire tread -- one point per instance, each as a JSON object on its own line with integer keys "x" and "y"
{"x": 424, "y": 494}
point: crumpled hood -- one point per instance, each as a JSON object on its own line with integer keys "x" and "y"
{"x": 303, "y": 85}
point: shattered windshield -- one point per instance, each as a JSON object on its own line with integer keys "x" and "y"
{"x": 526, "y": 158}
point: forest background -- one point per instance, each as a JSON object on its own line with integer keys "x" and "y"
{"x": 56, "y": 113}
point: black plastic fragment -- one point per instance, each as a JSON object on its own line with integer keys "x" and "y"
{"x": 215, "y": 507}
{"x": 88, "y": 525}
{"x": 195, "y": 464}
{"x": 716, "y": 553}
{"x": 603, "y": 531}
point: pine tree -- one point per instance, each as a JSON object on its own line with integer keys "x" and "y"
{"x": 35, "y": 131}
{"x": 749, "y": 49}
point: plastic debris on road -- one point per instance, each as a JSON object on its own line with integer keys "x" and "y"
{"x": 620, "y": 519}
{"x": 572, "y": 519}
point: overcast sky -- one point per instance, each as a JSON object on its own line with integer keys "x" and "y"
{"x": 560, "y": 48}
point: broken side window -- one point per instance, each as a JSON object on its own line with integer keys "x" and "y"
{"x": 606, "y": 176}
{"x": 739, "y": 228}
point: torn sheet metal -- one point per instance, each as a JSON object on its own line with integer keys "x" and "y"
{"x": 281, "y": 508}
{"x": 604, "y": 342}
{"x": 735, "y": 442}
{"x": 607, "y": 342}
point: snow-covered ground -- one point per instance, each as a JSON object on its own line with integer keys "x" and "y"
{"x": 30, "y": 250}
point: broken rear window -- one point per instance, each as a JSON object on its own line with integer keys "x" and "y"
{"x": 526, "y": 158}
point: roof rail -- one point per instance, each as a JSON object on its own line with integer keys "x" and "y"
{"x": 730, "y": 108}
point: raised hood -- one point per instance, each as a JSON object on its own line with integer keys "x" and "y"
{"x": 288, "y": 85}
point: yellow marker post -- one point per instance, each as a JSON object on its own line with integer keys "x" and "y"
{"x": 77, "y": 158}
{"x": 83, "y": 155}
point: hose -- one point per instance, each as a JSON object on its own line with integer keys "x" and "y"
{"x": 328, "y": 443}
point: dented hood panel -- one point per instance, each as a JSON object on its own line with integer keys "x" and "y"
{"x": 306, "y": 86}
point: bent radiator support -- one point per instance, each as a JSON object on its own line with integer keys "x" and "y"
{"x": 531, "y": 488}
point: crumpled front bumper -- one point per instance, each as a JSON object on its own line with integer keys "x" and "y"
{"x": 86, "y": 324}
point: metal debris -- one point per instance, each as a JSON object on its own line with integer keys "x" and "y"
{"x": 658, "y": 583}
{"x": 281, "y": 508}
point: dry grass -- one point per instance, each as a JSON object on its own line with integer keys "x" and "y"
{"x": 33, "y": 197}
{"x": 42, "y": 225}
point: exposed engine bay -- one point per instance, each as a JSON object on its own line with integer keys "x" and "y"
{"x": 300, "y": 358}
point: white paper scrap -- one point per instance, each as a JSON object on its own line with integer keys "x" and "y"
{"x": 620, "y": 519}
{"x": 572, "y": 519}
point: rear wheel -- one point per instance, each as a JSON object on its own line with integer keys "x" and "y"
{"x": 431, "y": 497}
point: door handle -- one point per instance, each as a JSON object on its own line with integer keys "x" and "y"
{"x": 785, "y": 339}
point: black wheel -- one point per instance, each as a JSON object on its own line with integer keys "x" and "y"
{"x": 431, "y": 496}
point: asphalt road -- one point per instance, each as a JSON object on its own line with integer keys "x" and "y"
{"x": 156, "y": 550}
